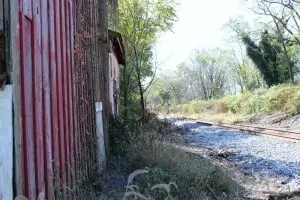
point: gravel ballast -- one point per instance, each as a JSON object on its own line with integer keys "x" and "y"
{"x": 271, "y": 159}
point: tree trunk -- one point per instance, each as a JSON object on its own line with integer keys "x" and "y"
{"x": 142, "y": 102}
{"x": 141, "y": 91}
{"x": 125, "y": 93}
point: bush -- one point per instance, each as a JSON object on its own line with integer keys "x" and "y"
{"x": 253, "y": 104}
{"x": 284, "y": 98}
{"x": 278, "y": 96}
{"x": 118, "y": 136}
{"x": 292, "y": 107}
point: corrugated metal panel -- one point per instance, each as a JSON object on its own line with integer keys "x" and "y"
{"x": 54, "y": 81}
{"x": 49, "y": 130}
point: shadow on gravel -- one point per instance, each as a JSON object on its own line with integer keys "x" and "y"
{"x": 267, "y": 167}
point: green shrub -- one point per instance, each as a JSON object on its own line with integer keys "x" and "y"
{"x": 292, "y": 107}
{"x": 237, "y": 103}
{"x": 254, "y": 104}
{"x": 278, "y": 96}
{"x": 284, "y": 98}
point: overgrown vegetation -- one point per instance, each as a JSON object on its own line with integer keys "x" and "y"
{"x": 140, "y": 23}
{"x": 280, "y": 98}
{"x": 148, "y": 148}
{"x": 228, "y": 82}
{"x": 259, "y": 57}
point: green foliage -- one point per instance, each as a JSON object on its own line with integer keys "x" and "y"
{"x": 195, "y": 106}
{"x": 284, "y": 98}
{"x": 244, "y": 103}
{"x": 118, "y": 136}
{"x": 267, "y": 56}
{"x": 292, "y": 107}
{"x": 247, "y": 76}
{"x": 123, "y": 133}
{"x": 140, "y": 23}
{"x": 278, "y": 96}
{"x": 164, "y": 95}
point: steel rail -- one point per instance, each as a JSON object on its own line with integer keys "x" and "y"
{"x": 279, "y": 133}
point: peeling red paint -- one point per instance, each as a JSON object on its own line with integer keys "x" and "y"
{"x": 47, "y": 92}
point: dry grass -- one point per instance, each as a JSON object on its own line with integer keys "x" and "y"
{"x": 195, "y": 176}
{"x": 212, "y": 116}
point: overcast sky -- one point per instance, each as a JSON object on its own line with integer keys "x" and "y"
{"x": 199, "y": 26}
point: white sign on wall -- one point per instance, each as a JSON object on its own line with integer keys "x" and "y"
{"x": 6, "y": 144}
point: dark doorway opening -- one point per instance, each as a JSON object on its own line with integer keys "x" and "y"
{"x": 4, "y": 68}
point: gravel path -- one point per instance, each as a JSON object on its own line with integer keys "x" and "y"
{"x": 269, "y": 158}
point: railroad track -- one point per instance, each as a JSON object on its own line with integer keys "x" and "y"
{"x": 272, "y": 132}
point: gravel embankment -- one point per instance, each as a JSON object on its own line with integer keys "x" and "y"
{"x": 269, "y": 158}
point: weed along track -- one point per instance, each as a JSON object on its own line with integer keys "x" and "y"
{"x": 269, "y": 165}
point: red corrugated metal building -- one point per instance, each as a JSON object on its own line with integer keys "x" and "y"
{"x": 54, "y": 119}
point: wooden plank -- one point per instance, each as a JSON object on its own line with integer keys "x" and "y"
{"x": 45, "y": 41}
{"x": 54, "y": 95}
{"x": 6, "y": 144}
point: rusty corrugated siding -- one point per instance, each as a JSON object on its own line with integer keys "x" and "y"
{"x": 55, "y": 93}
{"x": 48, "y": 94}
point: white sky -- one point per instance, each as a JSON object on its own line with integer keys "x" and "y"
{"x": 199, "y": 26}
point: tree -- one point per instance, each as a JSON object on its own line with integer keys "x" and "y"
{"x": 208, "y": 73}
{"x": 282, "y": 12}
{"x": 140, "y": 23}
{"x": 243, "y": 72}
{"x": 284, "y": 19}
{"x": 267, "y": 58}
